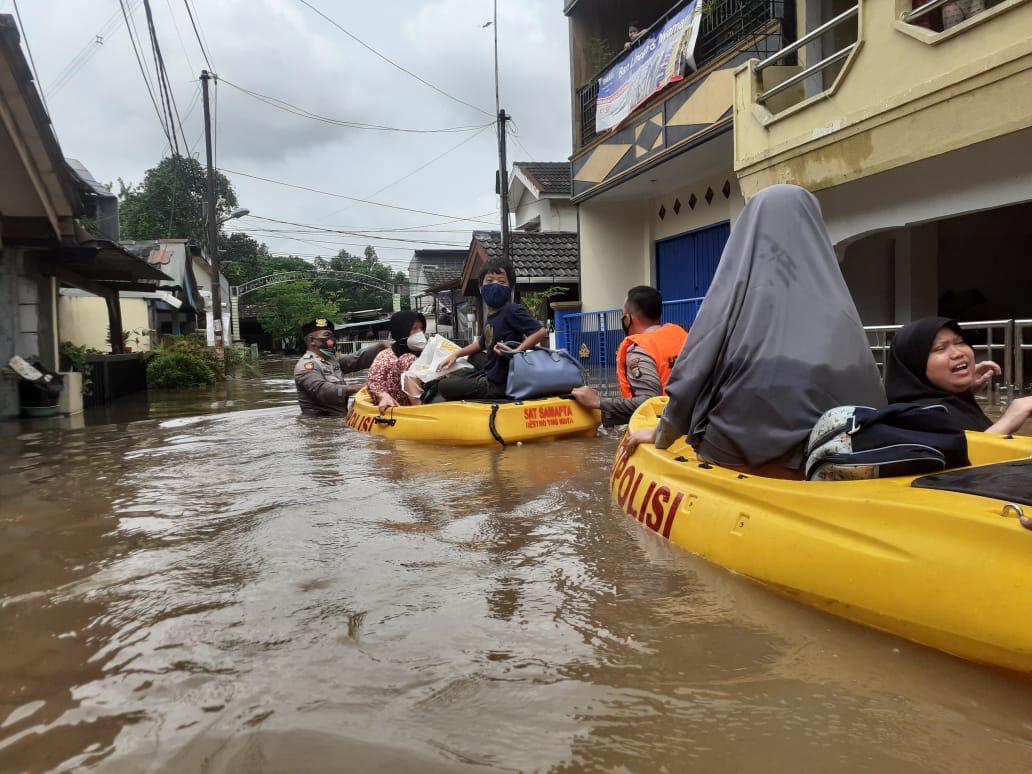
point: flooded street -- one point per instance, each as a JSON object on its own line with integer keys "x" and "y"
{"x": 215, "y": 583}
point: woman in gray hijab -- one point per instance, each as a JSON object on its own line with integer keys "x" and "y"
{"x": 777, "y": 342}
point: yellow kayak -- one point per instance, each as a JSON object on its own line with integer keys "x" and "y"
{"x": 473, "y": 423}
{"x": 949, "y": 570}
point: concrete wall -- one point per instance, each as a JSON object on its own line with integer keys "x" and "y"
{"x": 617, "y": 238}
{"x": 616, "y": 246}
{"x": 869, "y": 270}
{"x": 10, "y": 263}
{"x": 552, "y": 214}
{"x": 563, "y": 215}
{"x": 83, "y": 320}
{"x": 27, "y": 320}
{"x": 905, "y": 94}
{"x": 720, "y": 209}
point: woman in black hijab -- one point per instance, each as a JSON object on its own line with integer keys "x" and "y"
{"x": 930, "y": 363}
{"x": 408, "y": 331}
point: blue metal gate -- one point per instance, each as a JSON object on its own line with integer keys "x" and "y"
{"x": 685, "y": 264}
{"x": 594, "y": 337}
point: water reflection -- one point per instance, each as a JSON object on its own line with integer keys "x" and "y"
{"x": 215, "y": 582}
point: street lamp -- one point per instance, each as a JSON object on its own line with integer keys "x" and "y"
{"x": 238, "y": 213}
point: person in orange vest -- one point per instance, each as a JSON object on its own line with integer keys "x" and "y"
{"x": 644, "y": 359}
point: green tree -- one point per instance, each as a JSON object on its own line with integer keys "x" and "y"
{"x": 169, "y": 203}
{"x": 352, "y": 296}
{"x": 243, "y": 258}
{"x": 285, "y": 308}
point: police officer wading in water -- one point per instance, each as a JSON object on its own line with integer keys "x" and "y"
{"x": 644, "y": 360}
{"x": 319, "y": 374}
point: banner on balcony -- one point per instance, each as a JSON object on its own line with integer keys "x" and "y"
{"x": 662, "y": 58}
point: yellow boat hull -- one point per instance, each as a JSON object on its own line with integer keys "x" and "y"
{"x": 948, "y": 570}
{"x": 469, "y": 423}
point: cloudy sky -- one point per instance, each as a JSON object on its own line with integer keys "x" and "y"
{"x": 285, "y": 50}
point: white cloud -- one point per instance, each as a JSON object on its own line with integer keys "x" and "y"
{"x": 103, "y": 116}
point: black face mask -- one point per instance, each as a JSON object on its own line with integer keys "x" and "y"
{"x": 625, "y": 323}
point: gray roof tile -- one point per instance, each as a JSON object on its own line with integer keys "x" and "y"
{"x": 550, "y": 177}
{"x": 536, "y": 253}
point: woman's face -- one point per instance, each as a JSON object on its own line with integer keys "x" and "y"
{"x": 417, "y": 326}
{"x": 951, "y": 363}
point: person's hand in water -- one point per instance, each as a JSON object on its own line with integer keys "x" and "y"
{"x": 631, "y": 441}
{"x": 985, "y": 371}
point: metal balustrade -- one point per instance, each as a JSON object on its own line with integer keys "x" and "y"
{"x": 1021, "y": 346}
{"x": 1001, "y": 336}
{"x": 792, "y": 48}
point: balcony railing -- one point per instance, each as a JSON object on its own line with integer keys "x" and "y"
{"x": 726, "y": 24}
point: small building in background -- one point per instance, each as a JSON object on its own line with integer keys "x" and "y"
{"x": 539, "y": 196}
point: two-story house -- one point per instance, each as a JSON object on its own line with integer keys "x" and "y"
{"x": 653, "y": 148}
{"x": 911, "y": 122}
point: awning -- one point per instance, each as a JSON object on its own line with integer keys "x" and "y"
{"x": 106, "y": 263}
{"x": 363, "y": 324}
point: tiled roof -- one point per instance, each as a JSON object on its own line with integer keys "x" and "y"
{"x": 536, "y": 253}
{"x": 438, "y": 276}
{"x": 550, "y": 177}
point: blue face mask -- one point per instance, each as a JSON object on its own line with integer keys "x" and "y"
{"x": 495, "y": 296}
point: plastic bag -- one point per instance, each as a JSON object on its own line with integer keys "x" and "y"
{"x": 424, "y": 368}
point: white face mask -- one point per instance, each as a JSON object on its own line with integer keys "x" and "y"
{"x": 416, "y": 341}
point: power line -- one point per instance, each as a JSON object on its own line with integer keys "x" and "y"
{"x": 344, "y": 243}
{"x": 25, "y": 38}
{"x": 168, "y": 99}
{"x": 197, "y": 34}
{"x": 182, "y": 45}
{"x": 362, "y": 234}
{"x": 304, "y": 113}
{"x": 87, "y": 52}
{"x": 391, "y": 61}
{"x": 414, "y": 171}
{"x": 143, "y": 70}
{"x": 342, "y": 196}
{"x": 425, "y": 228}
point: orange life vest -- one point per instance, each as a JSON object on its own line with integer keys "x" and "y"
{"x": 663, "y": 345}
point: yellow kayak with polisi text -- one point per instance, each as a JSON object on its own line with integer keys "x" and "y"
{"x": 950, "y": 570}
{"x": 473, "y": 423}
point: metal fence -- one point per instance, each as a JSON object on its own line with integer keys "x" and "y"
{"x": 594, "y": 338}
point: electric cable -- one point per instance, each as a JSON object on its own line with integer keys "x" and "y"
{"x": 304, "y": 113}
{"x": 392, "y": 62}
{"x": 342, "y": 196}
{"x": 413, "y": 172}
{"x": 364, "y": 234}
{"x": 197, "y": 34}
{"x": 143, "y": 71}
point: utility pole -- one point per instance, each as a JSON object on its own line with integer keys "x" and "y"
{"x": 503, "y": 167}
{"x": 213, "y": 226}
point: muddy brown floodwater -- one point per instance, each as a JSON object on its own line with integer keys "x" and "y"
{"x": 213, "y": 583}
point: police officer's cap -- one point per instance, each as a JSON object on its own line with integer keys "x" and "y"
{"x": 318, "y": 324}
